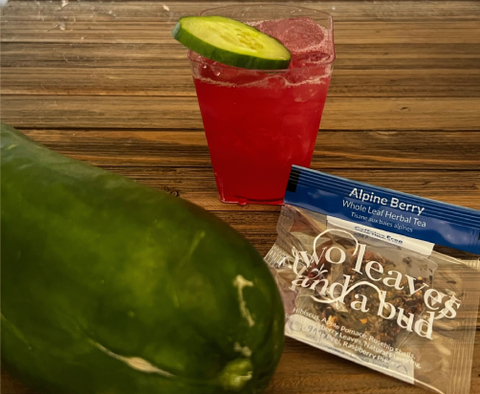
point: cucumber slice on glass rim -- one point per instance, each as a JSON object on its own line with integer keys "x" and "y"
{"x": 231, "y": 42}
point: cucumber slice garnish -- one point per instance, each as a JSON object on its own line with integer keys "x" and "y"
{"x": 231, "y": 42}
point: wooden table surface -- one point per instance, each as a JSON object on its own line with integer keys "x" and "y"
{"x": 104, "y": 82}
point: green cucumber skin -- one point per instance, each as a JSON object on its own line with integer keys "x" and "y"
{"x": 97, "y": 267}
{"x": 224, "y": 56}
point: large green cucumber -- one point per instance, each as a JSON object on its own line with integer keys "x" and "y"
{"x": 110, "y": 287}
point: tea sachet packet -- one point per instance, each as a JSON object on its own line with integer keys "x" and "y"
{"x": 382, "y": 278}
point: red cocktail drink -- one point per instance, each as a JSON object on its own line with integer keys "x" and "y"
{"x": 259, "y": 123}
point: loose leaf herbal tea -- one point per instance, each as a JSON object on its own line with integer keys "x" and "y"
{"x": 382, "y": 278}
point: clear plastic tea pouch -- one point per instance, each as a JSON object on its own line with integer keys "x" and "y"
{"x": 382, "y": 278}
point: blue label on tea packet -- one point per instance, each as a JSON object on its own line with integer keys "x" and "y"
{"x": 385, "y": 209}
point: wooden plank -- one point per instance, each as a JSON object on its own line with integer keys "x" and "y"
{"x": 173, "y": 149}
{"x": 405, "y": 56}
{"x": 172, "y": 56}
{"x": 177, "y": 81}
{"x": 45, "y": 10}
{"x": 181, "y": 113}
{"x": 140, "y": 32}
{"x": 90, "y": 55}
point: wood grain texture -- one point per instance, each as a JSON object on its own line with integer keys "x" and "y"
{"x": 148, "y": 11}
{"x": 374, "y": 149}
{"x": 161, "y": 112}
{"x": 174, "y": 79}
{"x": 104, "y": 82}
{"x": 112, "y": 32}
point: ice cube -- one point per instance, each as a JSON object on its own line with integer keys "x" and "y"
{"x": 204, "y": 68}
{"x": 300, "y": 35}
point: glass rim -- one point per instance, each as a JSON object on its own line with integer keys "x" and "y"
{"x": 276, "y": 5}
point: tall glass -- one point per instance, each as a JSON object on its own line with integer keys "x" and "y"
{"x": 258, "y": 123}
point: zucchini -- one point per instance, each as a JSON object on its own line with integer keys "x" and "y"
{"x": 231, "y": 42}
{"x": 111, "y": 287}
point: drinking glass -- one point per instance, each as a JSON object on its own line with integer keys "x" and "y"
{"x": 260, "y": 122}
